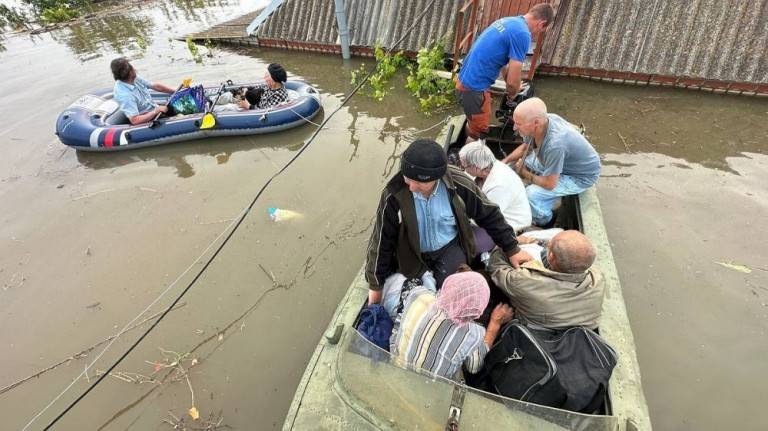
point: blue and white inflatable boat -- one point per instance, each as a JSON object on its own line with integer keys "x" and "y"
{"x": 95, "y": 122}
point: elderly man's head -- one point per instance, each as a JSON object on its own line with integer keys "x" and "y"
{"x": 122, "y": 69}
{"x": 530, "y": 116}
{"x": 422, "y": 164}
{"x": 476, "y": 159}
{"x": 571, "y": 251}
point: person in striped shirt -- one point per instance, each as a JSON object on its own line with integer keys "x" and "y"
{"x": 437, "y": 332}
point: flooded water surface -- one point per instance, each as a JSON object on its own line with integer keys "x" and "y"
{"x": 89, "y": 240}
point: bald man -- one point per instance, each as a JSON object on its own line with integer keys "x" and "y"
{"x": 562, "y": 291}
{"x": 561, "y": 161}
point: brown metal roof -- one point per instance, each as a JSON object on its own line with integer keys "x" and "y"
{"x": 370, "y": 22}
{"x": 726, "y": 41}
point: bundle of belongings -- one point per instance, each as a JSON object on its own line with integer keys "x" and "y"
{"x": 190, "y": 100}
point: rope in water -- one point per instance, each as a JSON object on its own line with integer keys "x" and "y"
{"x": 234, "y": 227}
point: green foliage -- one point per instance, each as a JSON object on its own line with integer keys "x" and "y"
{"x": 142, "y": 44}
{"x": 209, "y": 46}
{"x": 194, "y": 51}
{"x": 11, "y": 17}
{"x": 434, "y": 93}
{"x": 58, "y": 14}
{"x": 52, "y": 11}
{"x": 386, "y": 66}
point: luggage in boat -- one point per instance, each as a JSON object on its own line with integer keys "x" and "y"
{"x": 188, "y": 100}
{"x": 376, "y": 325}
{"x": 567, "y": 369}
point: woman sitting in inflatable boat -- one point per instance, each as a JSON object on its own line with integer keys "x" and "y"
{"x": 262, "y": 96}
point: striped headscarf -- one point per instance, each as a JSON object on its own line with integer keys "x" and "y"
{"x": 463, "y": 297}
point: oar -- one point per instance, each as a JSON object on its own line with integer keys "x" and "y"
{"x": 184, "y": 84}
{"x": 209, "y": 120}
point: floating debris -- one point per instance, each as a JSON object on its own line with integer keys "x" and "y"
{"x": 735, "y": 267}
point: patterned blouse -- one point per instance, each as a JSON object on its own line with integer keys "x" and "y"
{"x": 427, "y": 339}
{"x": 271, "y": 97}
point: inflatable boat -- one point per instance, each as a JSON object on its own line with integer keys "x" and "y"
{"x": 95, "y": 123}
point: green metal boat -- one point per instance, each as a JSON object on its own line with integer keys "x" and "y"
{"x": 352, "y": 385}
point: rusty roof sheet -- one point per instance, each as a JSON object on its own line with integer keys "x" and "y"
{"x": 697, "y": 38}
{"x": 370, "y": 22}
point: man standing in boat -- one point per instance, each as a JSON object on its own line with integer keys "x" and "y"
{"x": 561, "y": 163}
{"x": 132, "y": 93}
{"x": 423, "y": 221}
{"x": 502, "y": 47}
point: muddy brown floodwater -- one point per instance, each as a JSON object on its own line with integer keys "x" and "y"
{"x": 87, "y": 241}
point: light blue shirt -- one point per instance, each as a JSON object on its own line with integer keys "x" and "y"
{"x": 133, "y": 99}
{"x": 437, "y": 225}
{"x": 565, "y": 151}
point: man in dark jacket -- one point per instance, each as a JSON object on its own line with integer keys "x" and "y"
{"x": 423, "y": 221}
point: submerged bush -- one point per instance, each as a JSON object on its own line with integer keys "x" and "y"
{"x": 386, "y": 66}
{"x": 432, "y": 91}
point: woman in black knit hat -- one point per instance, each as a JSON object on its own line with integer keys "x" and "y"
{"x": 262, "y": 96}
{"x": 423, "y": 221}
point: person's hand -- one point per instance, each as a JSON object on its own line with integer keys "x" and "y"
{"x": 501, "y": 314}
{"x": 161, "y": 108}
{"x": 374, "y": 296}
{"x": 519, "y": 258}
{"x": 510, "y": 100}
{"x": 244, "y": 104}
{"x": 522, "y": 239}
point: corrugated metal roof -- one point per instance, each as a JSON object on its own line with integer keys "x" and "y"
{"x": 369, "y": 21}
{"x": 711, "y": 39}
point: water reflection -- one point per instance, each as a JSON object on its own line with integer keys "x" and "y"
{"x": 129, "y": 31}
{"x": 192, "y": 10}
{"x": 699, "y": 127}
{"x": 179, "y": 156}
{"x": 126, "y": 34}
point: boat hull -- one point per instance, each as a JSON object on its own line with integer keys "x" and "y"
{"x": 330, "y": 396}
{"x": 88, "y": 124}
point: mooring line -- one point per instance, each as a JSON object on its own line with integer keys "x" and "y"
{"x": 234, "y": 227}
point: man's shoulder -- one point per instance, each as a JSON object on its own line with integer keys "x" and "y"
{"x": 459, "y": 177}
{"x": 563, "y": 132}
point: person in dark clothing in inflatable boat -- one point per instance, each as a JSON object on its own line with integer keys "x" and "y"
{"x": 262, "y": 96}
{"x": 132, "y": 93}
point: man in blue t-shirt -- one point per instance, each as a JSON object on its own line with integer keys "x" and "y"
{"x": 131, "y": 92}
{"x": 561, "y": 161}
{"x": 500, "y": 48}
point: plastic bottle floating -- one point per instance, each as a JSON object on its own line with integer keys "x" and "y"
{"x": 280, "y": 215}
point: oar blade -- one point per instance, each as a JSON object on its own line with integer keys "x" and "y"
{"x": 208, "y": 122}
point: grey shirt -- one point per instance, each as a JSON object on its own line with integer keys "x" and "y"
{"x": 564, "y": 151}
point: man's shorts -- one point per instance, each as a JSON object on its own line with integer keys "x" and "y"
{"x": 477, "y": 107}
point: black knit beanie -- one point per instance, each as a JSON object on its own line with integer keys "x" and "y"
{"x": 424, "y": 161}
{"x": 277, "y": 72}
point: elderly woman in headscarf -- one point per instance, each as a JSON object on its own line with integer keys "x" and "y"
{"x": 437, "y": 333}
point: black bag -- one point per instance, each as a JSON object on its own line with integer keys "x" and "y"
{"x": 567, "y": 369}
